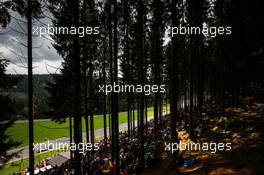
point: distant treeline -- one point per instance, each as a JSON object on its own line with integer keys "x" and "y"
{"x": 19, "y": 94}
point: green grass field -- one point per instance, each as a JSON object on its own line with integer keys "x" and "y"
{"x": 20, "y": 165}
{"x": 49, "y": 130}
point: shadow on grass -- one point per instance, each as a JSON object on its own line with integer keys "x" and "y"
{"x": 43, "y": 126}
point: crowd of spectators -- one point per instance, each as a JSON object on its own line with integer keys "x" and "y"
{"x": 100, "y": 161}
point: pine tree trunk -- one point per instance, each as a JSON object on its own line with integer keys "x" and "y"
{"x": 128, "y": 115}
{"x": 77, "y": 88}
{"x": 146, "y": 113}
{"x": 133, "y": 115}
{"x": 70, "y": 121}
{"x": 141, "y": 77}
{"x": 30, "y": 91}
{"x": 174, "y": 80}
{"x": 111, "y": 121}
{"x": 115, "y": 95}
{"x": 86, "y": 106}
{"x": 104, "y": 96}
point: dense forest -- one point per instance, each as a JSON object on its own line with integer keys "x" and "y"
{"x": 18, "y": 93}
{"x": 207, "y": 54}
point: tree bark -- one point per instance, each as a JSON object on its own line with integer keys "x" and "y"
{"x": 30, "y": 91}
{"x": 77, "y": 101}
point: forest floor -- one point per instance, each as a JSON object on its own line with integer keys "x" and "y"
{"x": 243, "y": 129}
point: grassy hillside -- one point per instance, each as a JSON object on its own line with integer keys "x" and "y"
{"x": 49, "y": 130}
